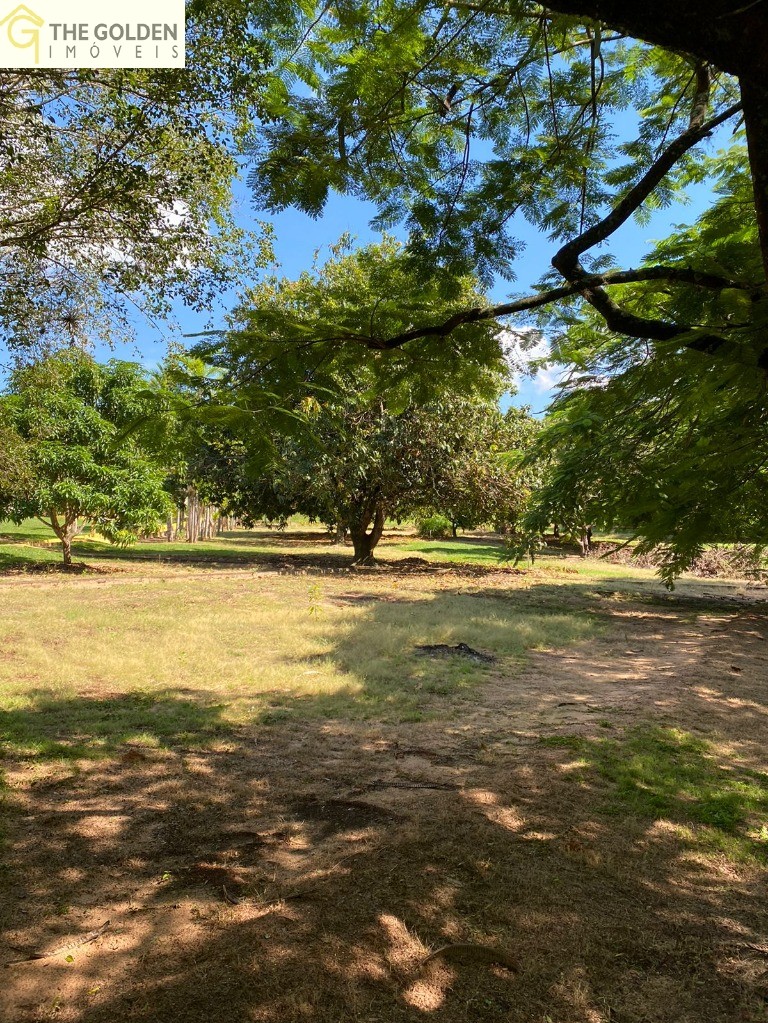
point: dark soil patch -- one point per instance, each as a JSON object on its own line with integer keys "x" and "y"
{"x": 460, "y": 650}
{"x": 335, "y": 815}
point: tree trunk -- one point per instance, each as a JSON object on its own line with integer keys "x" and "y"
{"x": 193, "y": 515}
{"x": 586, "y": 540}
{"x": 364, "y": 543}
{"x": 363, "y": 547}
{"x": 454, "y": 529}
{"x": 754, "y": 95}
{"x": 65, "y": 531}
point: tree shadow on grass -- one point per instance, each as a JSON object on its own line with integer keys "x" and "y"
{"x": 279, "y": 883}
{"x": 306, "y": 873}
{"x": 667, "y": 773}
{"x": 26, "y": 533}
{"x": 51, "y": 726}
{"x": 215, "y": 556}
{"x": 393, "y": 678}
{"x": 474, "y": 550}
{"x": 21, "y": 557}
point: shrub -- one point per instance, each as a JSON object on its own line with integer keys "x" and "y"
{"x": 434, "y": 527}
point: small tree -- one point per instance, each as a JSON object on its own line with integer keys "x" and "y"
{"x": 354, "y": 464}
{"x": 485, "y": 482}
{"x": 82, "y": 465}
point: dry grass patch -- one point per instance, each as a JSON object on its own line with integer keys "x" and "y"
{"x": 88, "y": 664}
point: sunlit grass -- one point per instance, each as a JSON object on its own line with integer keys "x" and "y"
{"x": 31, "y": 545}
{"x": 153, "y": 645}
{"x": 90, "y": 663}
{"x": 669, "y": 774}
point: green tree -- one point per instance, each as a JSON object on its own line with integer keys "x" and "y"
{"x": 355, "y": 464}
{"x": 576, "y": 116}
{"x": 460, "y": 120}
{"x": 15, "y": 470}
{"x": 488, "y": 480}
{"x": 180, "y": 439}
{"x": 353, "y": 437}
{"x": 115, "y": 185}
{"x": 670, "y": 446}
{"x": 290, "y": 339}
{"x": 80, "y": 462}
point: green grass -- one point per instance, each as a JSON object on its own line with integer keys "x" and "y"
{"x": 48, "y": 726}
{"x": 468, "y": 550}
{"x": 30, "y": 530}
{"x": 492, "y": 553}
{"x": 668, "y": 774}
{"x": 20, "y": 556}
{"x": 88, "y": 664}
{"x": 33, "y": 546}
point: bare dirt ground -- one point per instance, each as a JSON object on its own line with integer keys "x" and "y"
{"x": 305, "y": 871}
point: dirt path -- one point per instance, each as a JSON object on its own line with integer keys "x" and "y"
{"x": 307, "y": 871}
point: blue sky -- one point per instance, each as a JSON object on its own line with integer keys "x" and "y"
{"x": 298, "y": 236}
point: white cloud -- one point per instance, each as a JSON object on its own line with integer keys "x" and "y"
{"x": 524, "y": 347}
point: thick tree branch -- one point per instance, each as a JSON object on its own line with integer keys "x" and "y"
{"x": 729, "y": 35}
{"x": 719, "y": 32}
{"x": 565, "y": 259}
{"x": 680, "y": 275}
{"x": 755, "y": 98}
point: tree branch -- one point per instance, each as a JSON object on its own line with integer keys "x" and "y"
{"x": 566, "y": 258}
{"x": 680, "y": 275}
{"x": 695, "y": 29}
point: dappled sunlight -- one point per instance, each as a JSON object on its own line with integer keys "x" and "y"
{"x": 340, "y": 898}
{"x": 405, "y": 950}
{"x": 504, "y": 816}
{"x": 731, "y": 703}
{"x": 271, "y": 844}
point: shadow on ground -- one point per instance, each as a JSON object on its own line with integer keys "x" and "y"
{"x": 295, "y": 881}
{"x": 50, "y": 726}
{"x": 305, "y": 870}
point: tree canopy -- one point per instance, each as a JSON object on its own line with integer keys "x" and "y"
{"x": 68, "y": 421}
{"x": 293, "y": 340}
{"x": 457, "y": 121}
{"x": 319, "y": 424}
{"x": 115, "y": 185}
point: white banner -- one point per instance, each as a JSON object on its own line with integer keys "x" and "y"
{"x": 92, "y": 34}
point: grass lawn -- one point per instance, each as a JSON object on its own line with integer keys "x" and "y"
{"x": 179, "y": 659}
{"x": 237, "y": 754}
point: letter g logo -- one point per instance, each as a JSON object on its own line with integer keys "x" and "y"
{"x": 22, "y": 27}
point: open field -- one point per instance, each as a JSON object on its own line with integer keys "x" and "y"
{"x": 235, "y": 753}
